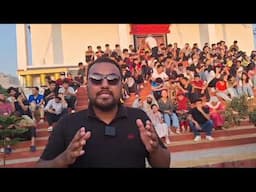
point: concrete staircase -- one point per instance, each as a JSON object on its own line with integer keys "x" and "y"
{"x": 233, "y": 147}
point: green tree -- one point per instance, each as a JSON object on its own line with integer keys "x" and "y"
{"x": 3, "y": 90}
{"x": 10, "y": 132}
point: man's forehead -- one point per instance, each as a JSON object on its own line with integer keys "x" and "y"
{"x": 97, "y": 67}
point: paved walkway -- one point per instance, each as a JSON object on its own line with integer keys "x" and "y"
{"x": 213, "y": 156}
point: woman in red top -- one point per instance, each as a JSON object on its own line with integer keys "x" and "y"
{"x": 182, "y": 111}
{"x": 222, "y": 87}
{"x": 216, "y": 112}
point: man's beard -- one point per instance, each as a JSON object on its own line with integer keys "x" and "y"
{"x": 149, "y": 102}
{"x": 105, "y": 108}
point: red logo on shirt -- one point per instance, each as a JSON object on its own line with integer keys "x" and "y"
{"x": 131, "y": 136}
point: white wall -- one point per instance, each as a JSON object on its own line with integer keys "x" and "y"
{"x": 183, "y": 33}
{"x": 241, "y": 32}
{"x": 76, "y": 38}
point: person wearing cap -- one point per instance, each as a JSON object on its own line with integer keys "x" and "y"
{"x": 216, "y": 112}
{"x": 55, "y": 109}
{"x": 69, "y": 94}
{"x": 199, "y": 120}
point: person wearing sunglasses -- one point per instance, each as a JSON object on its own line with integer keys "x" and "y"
{"x": 107, "y": 134}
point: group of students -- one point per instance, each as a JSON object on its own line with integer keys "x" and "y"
{"x": 58, "y": 99}
{"x": 183, "y": 78}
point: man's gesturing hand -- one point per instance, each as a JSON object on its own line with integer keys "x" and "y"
{"x": 148, "y": 135}
{"x": 75, "y": 148}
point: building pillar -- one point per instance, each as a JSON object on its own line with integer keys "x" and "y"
{"x": 58, "y": 57}
{"x": 123, "y": 32}
{"x": 29, "y": 82}
{"x": 22, "y": 55}
{"x": 212, "y": 33}
{"x": 42, "y": 79}
{"x": 207, "y": 33}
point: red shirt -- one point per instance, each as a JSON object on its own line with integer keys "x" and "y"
{"x": 182, "y": 104}
{"x": 5, "y": 108}
{"x": 199, "y": 83}
{"x": 221, "y": 86}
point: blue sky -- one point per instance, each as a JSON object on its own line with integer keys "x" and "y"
{"x": 8, "y": 50}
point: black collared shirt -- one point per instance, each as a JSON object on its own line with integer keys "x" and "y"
{"x": 125, "y": 149}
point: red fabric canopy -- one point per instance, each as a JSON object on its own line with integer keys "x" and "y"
{"x": 143, "y": 29}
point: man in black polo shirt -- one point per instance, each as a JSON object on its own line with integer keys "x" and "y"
{"x": 199, "y": 119}
{"x": 107, "y": 134}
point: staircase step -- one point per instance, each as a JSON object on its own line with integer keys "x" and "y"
{"x": 233, "y": 156}
{"x": 28, "y": 164}
{"x": 21, "y": 155}
{"x": 245, "y": 134}
{"x": 222, "y": 141}
{"x": 226, "y": 132}
{"x": 40, "y": 141}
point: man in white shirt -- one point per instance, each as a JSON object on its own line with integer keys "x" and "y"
{"x": 69, "y": 95}
{"x": 152, "y": 44}
{"x": 54, "y": 109}
{"x": 159, "y": 73}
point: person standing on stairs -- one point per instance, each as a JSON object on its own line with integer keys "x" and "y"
{"x": 107, "y": 134}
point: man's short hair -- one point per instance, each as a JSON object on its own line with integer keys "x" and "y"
{"x": 153, "y": 106}
{"x": 105, "y": 60}
{"x": 125, "y": 50}
{"x": 36, "y": 88}
{"x": 52, "y": 82}
{"x": 159, "y": 65}
{"x": 12, "y": 88}
{"x": 66, "y": 81}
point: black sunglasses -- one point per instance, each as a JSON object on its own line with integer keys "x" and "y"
{"x": 97, "y": 79}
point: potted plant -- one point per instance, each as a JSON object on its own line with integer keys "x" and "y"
{"x": 252, "y": 117}
{"x": 236, "y": 110}
{"x": 10, "y": 132}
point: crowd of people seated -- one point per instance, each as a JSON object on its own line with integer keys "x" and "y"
{"x": 190, "y": 86}
{"x": 57, "y": 99}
